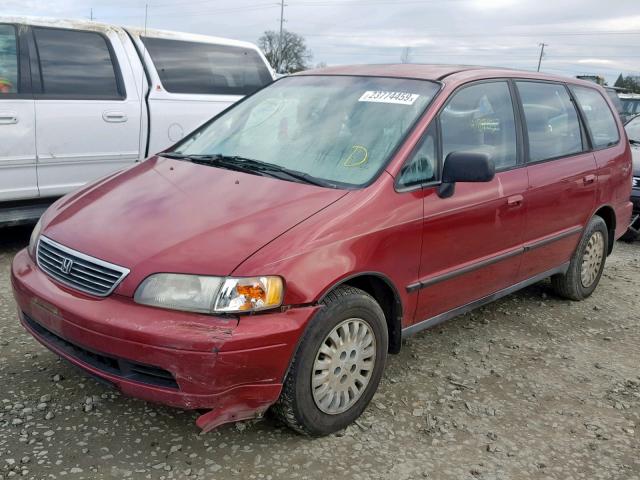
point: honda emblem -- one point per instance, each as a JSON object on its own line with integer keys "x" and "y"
{"x": 67, "y": 263}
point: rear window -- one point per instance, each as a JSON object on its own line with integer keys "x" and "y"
{"x": 76, "y": 64}
{"x": 600, "y": 120}
{"x": 8, "y": 60}
{"x": 204, "y": 68}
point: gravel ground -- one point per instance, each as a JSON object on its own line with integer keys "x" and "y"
{"x": 532, "y": 386}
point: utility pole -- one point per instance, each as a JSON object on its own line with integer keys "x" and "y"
{"x": 280, "y": 37}
{"x": 91, "y": 14}
{"x": 542, "y": 45}
{"x": 405, "y": 56}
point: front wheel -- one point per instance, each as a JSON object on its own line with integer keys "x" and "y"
{"x": 587, "y": 263}
{"x": 338, "y": 365}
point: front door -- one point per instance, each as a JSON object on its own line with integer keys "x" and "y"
{"x": 88, "y": 124}
{"x": 472, "y": 241}
{"x": 17, "y": 121}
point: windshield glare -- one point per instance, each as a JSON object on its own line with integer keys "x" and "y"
{"x": 633, "y": 129}
{"x": 340, "y": 129}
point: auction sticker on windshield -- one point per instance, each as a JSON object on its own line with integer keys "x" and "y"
{"x": 380, "y": 96}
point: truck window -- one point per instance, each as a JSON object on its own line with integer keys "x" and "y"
{"x": 8, "y": 60}
{"x": 600, "y": 120}
{"x": 76, "y": 64}
{"x": 205, "y": 68}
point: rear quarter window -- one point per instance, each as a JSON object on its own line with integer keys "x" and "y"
{"x": 600, "y": 120}
{"x": 204, "y": 68}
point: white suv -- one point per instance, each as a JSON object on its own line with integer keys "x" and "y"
{"x": 79, "y": 100}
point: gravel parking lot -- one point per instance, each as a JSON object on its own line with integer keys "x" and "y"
{"x": 532, "y": 386}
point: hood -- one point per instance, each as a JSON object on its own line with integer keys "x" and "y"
{"x": 173, "y": 216}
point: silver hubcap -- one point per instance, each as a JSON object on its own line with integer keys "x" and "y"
{"x": 343, "y": 366}
{"x": 592, "y": 259}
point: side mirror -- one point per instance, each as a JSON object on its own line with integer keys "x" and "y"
{"x": 465, "y": 167}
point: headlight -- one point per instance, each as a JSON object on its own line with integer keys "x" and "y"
{"x": 249, "y": 294}
{"x": 33, "y": 240}
{"x": 202, "y": 294}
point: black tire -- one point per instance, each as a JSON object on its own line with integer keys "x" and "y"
{"x": 569, "y": 285}
{"x": 629, "y": 236}
{"x": 296, "y": 407}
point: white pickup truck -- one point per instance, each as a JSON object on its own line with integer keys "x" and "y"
{"x": 81, "y": 99}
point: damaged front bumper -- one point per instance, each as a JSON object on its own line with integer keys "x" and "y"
{"x": 232, "y": 366}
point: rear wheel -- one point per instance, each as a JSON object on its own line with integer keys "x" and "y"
{"x": 338, "y": 365}
{"x": 632, "y": 232}
{"x": 587, "y": 263}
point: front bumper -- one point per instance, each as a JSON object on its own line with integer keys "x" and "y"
{"x": 232, "y": 365}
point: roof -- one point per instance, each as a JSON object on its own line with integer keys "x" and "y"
{"x": 58, "y": 22}
{"x": 83, "y": 24}
{"x": 437, "y": 72}
{"x": 400, "y": 70}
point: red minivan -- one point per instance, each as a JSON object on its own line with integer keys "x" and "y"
{"x": 274, "y": 257}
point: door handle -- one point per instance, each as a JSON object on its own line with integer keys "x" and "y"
{"x": 515, "y": 200}
{"x": 8, "y": 118}
{"x": 588, "y": 179}
{"x": 114, "y": 117}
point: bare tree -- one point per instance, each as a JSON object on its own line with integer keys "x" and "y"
{"x": 292, "y": 56}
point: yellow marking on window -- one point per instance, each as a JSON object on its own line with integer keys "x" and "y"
{"x": 351, "y": 159}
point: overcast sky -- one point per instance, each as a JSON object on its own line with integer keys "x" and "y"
{"x": 583, "y": 36}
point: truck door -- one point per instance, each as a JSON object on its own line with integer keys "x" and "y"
{"x": 17, "y": 122}
{"x": 87, "y": 107}
{"x": 194, "y": 81}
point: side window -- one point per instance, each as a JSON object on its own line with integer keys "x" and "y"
{"x": 207, "y": 68}
{"x": 76, "y": 64}
{"x": 633, "y": 130}
{"x": 552, "y": 121}
{"x": 422, "y": 166}
{"x": 480, "y": 119}
{"x": 631, "y": 107}
{"x": 600, "y": 120}
{"x": 8, "y": 60}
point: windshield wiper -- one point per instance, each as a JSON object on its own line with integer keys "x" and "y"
{"x": 294, "y": 174}
{"x": 177, "y": 156}
{"x": 208, "y": 160}
{"x": 254, "y": 166}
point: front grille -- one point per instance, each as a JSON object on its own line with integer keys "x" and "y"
{"x": 126, "y": 369}
{"x": 77, "y": 270}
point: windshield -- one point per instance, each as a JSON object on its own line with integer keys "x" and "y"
{"x": 339, "y": 129}
{"x": 633, "y": 129}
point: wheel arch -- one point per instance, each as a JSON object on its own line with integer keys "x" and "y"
{"x": 608, "y": 214}
{"x": 382, "y": 289}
